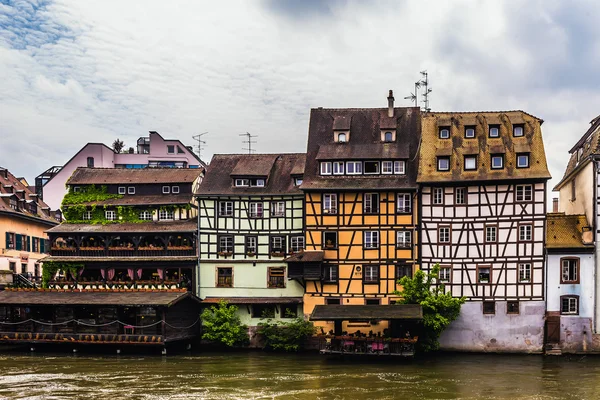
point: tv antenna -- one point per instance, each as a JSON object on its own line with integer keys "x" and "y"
{"x": 201, "y": 143}
{"x": 414, "y": 97}
{"x": 249, "y": 141}
{"x": 426, "y": 90}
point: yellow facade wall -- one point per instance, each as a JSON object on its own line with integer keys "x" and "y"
{"x": 20, "y": 258}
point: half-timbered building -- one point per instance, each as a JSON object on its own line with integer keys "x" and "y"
{"x": 483, "y": 182}
{"x": 251, "y": 218}
{"x": 360, "y": 209}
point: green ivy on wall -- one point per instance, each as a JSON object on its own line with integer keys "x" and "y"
{"x": 50, "y": 268}
{"x": 87, "y": 195}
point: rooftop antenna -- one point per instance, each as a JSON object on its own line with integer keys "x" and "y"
{"x": 201, "y": 143}
{"x": 249, "y": 141}
{"x": 426, "y": 90}
{"x": 415, "y": 96}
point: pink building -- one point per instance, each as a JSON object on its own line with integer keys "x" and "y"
{"x": 151, "y": 151}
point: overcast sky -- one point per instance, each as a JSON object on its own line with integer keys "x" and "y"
{"x": 80, "y": 71}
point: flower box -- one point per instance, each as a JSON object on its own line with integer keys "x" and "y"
{"x": 277, "y": 254}
{"x": 225, "y": 253}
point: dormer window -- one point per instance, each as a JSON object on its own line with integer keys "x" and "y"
{"x": 131, "y": 190}
{"x": 242, "y": 182}
{"x": 523, "y": 160}
{"x": 399, "y": 167}
{"x": 297, "y": 181}
{"x": 444, "y": 132}
{"x": 494, "y": 131}
{"x": 497, "y": 161}
{"x": 354, "y": 168}
{"x": 259, "y": 182}
{"x": 388, "y": 136}
{"x": 517, "y": 130}
{"x": 469, "y": 132}
{"x": 371, "y": 167}
{"x": 470, "y": 163}
{"x": 166, "y": 189}
{"x": 443, "y": 163}
{"x": 338, "y": 168}
{"x": 326, "y": 168}
{"x": 341, "y": 136}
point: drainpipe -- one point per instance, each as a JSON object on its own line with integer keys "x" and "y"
{"x": 597, "y": 250}
{"x": 197, "y": 248}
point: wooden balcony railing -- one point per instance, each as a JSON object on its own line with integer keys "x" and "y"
{"x": 142, "y": 251}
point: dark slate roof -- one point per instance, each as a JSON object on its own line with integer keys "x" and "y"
{"x": 254, "y": 300}
{"x": 567, "y": 232}
{"x": 364, "y": 142}
{"x": 145, "y": 200}
{"x": 364, "y": 313}
{"x": 306, "y": 256}
{"x": 115, "y": 176}
{"x": 164, "y": 298}
{"x": 10, "y": 184}
{"x": 224, "y": 167}
{"x": 151, "y": 226}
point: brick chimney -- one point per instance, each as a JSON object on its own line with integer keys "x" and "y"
{"x": 391, "y": 104}
{"x": 555, "y": 205}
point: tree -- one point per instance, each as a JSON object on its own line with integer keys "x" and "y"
{"x": 221, "y": 324}
{"x": 285, "y": 336}
{"x": 118, "y": 145}
{"x": 439, "y": 307}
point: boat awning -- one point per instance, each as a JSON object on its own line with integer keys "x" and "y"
{"x": 134, "y": 299}
{"x": 254, "y": 300}
{"x": 366, "y": 313}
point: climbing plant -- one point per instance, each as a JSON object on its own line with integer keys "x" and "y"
{"x": 50, "y": 268}
{"x": 285, "y": 336}
{"x": 88, "y": 194}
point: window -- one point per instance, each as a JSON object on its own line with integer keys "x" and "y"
{"x": 338, "y": 168}
{"x": 371, "y": 273}
{"x": 330, "y": 275}
{"x": 251, "y": 243}
{"x": 277, "y": 244}
{"x": 494, "y": 131}
{"x": 445, "y": 275}
{"x": 484, "y": 274}
{"x": 90, "y": 162}
{"x": 569, "y": 270}
{"x": 371, "y": 203}
{"x": 23, "y": 269}
{"x": 403, "y": 270}
{"x": 470, "y": 163}
{"x": 372, "y": 302}
{"x": 225, "y": 277}
{"x": 146, "y": 215}
{"x": 399, "y": 167}
{"x": 371, "y": 167}
{"x": 296, "y": 243}
{"x": 289, "y": 311}
{"x": 497, "y": 161}
{"x": 518, "y": 130}
{"x": 131, "y": 190}
{"x": 13, "y": 267}
{"x": 524, "y": 193}
{"x": 524, "y": 273}
{"x": 165, "y": 215}
{"x": 226, "y": 244}
{"x": 371, "y": 240}
{"x": 341, "y": 138}
{"x": 569, "y": 305}
{"x": 180, "y": 150}
{"x": 258, "y": 182}
{"x": 444, "y": 234}
{"x": 226, "y": 208}
{"x": 278, "y": 209}
{"x": 573, "y": 189}
{"x": 388, "y": 136}
{"x": 170, "y": 149}
{"x": 110, "y": 215}
{"x": 330, "y": 240}
{"x": 298, "y": 181}
{"x": 512, "y": 307}
{"x": 489, "y": 307}
{"x": 523, "y": 160}
{"x": 469, "y": 132}
{"x": 438, "y": 196}
{"x": 460, "y": 196}
{"x": 353, "y": 167}
{"x": 525, "y": 233}
{"x": 444, "y": 133}
{"x": 387, "y": 167}
{"x": 443, "y": 163}
{"x": 122, "y": 189}
{"x": 276, "y": 277}
{"x": 174, "y": 189}
{"x": 87, "y": 215}
{"x": 403, "y": 203}
{"x": 403, "y": 239}
{"x": 76, "y": 189}
{"x": 491, "y": 234}
{"x": 255, "y": 209}
{"x": 329, "y": 203}
{"x": 263, "y": 311}
{"x": 240, "y": 182}
{"x": 326, "y": 168}
{"x": 166, "y": 189}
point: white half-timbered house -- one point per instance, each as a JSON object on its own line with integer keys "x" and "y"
{"x": 251, "y": 215}
{"x": 483, "y": 189}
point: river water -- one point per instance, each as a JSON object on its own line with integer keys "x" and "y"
{"x": 258, "y": 375}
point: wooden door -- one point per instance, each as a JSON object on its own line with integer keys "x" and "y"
{"x": 553, "y": 329}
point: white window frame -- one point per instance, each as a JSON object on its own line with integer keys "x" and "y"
{"x": 525, "y": 157}
{"x": 399, "y": 167}
{"x": 572, "y": 305}
{"x": 524, "y": 193}
{"x": 356, "y": 167}
{"x": 404, "y": 203}
{"x": 122, "y": 190}
{"x": 387, "y": 167}
{"x": 491, "y": 234}
{"x": 241, "y": 182}
{"x": 225, "y": 208}
{"x": 440, "y": 163}
{"x": 473, "y": 160}
{"x": 338, "y": 167}
{"x": 467, "y": 135}
{"x": 145, "y": 215}
{"x": 377, "y": 163}
{"x": 371, "y": 240}
{"x": 444, "y": 133}
{"x": 226, "y": 244}
{"x": 497, "y": 157}
{"x": 87, "y": 215}
{"x": 460, "y": 196}
{"x": 251, "y": 244}
{"x": 496, "y": 131}
{"x": 326, "y": 168}
{"x": 131, "y": 190}
{"x": 339, "y": 134}
{"x": 519, "y": 129}
{"x": 166, "y": 215}
{"x": 110, "y": 215}
{"x": 175, "y": 189}
{"x": 371, "y": 273}
{"x": 368, "y": 203}
{"x": 281, "y": 244}
{"x": 296, "y": 243}
{"x": 166, "y": 189}
{"x": 437, "y": 196}
{"x": 259, "y": 182}
{"x": 403, "y": 239}
{"x": 278, "y": 208}
{"x": 255, "y": 209}
{"x": 568, "y": 265}
{"x": 444, "y": 232}
{"x": 525, "y": 272}
{"x": 445, "y": 274}
{"x": 525, "y": 233}
{"x": 330, "y": 203}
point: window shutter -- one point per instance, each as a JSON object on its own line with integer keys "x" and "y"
{"x": 28, "y": 243}
{"x": 7, "y": 240}
{"x": 19, "y": 240}
{"x": 42, "y": 245}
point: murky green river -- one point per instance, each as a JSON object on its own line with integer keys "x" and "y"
{"x": 262, "y": 376}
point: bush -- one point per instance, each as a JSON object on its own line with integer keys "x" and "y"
{"x": 285, "y": 336}
{"x": 221, "y": 324}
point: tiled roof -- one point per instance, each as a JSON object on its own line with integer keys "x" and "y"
{"x": 115, "y": 176}
{"x": 142, "y": 200}
{"x": 9, "y": 184}
{"x": 457, "y": 146}
{"x": 567, "y": 231}
{"x": 220, "y": 173}
{"x": 254, "y": 300}
{"x": 364, "y": 142}
{"x": 306, "y": 256}
{"x": 164, "y": 298}
{"x": 128, "y": 259}
{"x": 163, "y": 226}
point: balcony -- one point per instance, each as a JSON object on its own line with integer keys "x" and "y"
{"x": 141, "y": 251}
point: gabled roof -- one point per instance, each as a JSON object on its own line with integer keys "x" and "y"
{"x": 364, "y": 143}
{"x": 115, "y": 176}
{"x": 567, "y": 232}
{"x": 279, "y": 170}
{"x": 8, "y": 182}
{"x": 482, "y": 146}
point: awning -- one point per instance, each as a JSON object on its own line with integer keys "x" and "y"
{"x": 254, "y": 300}
{"x": 306, "y": 257}
{"x": 366, "y": 313}
{"x": 165, "y": 298}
